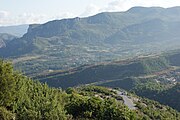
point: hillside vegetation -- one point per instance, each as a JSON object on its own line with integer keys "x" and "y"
{"x": 21, "y": 98}
{"x": 101, "y": 73}
{"x": 151, "y": 77}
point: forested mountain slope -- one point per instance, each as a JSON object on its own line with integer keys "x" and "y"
{"x": 22, "y": 98}
{"x": 154, "y": 77}
{"x": 105, "y": 72}
{"x": 69, "y": 43}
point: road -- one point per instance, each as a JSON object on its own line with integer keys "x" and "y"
{"x": 127, "y": 101}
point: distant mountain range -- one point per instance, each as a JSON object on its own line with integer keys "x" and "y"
{"x": 16, "y": 30}
{"x": 5, "y": 38}
{"x": 66, "y": 43}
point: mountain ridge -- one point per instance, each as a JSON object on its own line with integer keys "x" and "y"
{"x": 103, "y": 37}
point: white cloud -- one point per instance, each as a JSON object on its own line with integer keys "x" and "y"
{"x": 25, "y": 18}
{"x": 4, "y": 14}
{"x": 29, "y": 18}
{"x": 64, "y": 15}
{"x": 7, "y": 18}
{"x": 90, "y": 10}
{"x": 122, "y": 5}
{"x": 118, "y": 5}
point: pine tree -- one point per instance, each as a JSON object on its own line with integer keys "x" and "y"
{"x": 7, "y": 84}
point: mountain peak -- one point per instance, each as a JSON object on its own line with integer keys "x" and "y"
{"x": 144, "y": 10}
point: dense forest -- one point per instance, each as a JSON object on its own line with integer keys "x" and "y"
{"x": 24, "y": 99}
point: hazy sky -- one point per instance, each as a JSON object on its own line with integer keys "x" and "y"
{"x": 13, "y": 12}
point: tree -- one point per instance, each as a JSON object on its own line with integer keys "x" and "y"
{"x": 7, "y": 84}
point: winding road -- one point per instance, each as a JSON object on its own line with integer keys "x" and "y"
{"x": 127, "y": 101}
